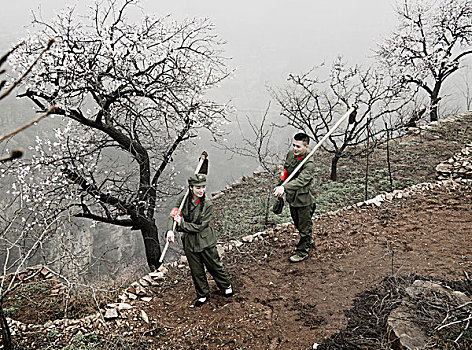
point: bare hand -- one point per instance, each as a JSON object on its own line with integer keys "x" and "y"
{"x": 279, "y": 191}
{"x": 170, "y": 236}
{"x": 178, "y": 219}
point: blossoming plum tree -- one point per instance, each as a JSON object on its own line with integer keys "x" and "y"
{"x": 128, "y": 96}
{"x": 429, "y": 44}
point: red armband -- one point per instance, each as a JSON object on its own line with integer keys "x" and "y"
{"x": 283, "y": 175}
{"x": 174, "y": 212}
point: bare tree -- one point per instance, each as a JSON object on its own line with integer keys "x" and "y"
{"x": 129, "y": 95}
{"x": 313, "y": 104}
{"x": 430, "y": 42}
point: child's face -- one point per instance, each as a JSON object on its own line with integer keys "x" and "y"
{"x": 299, "y": 147}
{"x": 198, "y": 191}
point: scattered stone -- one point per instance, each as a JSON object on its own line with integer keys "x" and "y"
{"x": 140, "y": 291}
{"x": 216, "y": 195}
{"x": 110, "y": 314}
{"x": 143, "y": 282}
{"x": 420, "y": 288}
{"x": 149, "y": 280}
{"x": 458, "y": 166}
{"x": 156, "y": 275}
{"x": 376, "y": 201}
{"x": 144, "y": 316}
{"x": 221, "y": 249}
{"x": 236, "y": 244}
{"x": 162, "y": 269}
{"x": 123, "y": 306}
{"x": 247, "y": 239}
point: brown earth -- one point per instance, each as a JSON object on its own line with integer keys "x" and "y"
{"x": 281, "y": 305}
{"x": 333, "y": 298}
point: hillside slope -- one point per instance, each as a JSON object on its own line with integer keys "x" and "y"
{"x": 280, "y": 305}
{"x": 424, "y": 230}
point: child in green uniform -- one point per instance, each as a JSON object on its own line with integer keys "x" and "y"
{"x": 199, "y": 240}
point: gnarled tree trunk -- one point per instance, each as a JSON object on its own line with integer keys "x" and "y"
{"x": 6, "y": 335}
{"x": 334, "y": 167}
{"x": 152, "y": 248}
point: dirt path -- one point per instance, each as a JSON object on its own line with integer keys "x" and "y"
{"x": 280, "y": 305}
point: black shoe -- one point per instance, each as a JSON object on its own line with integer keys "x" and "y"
{"x": 200, "y": 301}
{"x": 228, "y": 292}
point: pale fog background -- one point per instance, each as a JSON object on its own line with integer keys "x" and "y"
{"x": 266, "y": 40}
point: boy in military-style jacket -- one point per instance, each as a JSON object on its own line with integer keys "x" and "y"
{"x": 199, "y": 240}
{"x": 299, "y": 193}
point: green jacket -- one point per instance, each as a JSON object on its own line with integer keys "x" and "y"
{"x": 198, "y": 235}
{"x": 299, "y": 191}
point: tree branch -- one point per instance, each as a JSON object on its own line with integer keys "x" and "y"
{"x": 124, "y": 223}
{"x": 27, "y": 125}
{"x": 25, "y": 73}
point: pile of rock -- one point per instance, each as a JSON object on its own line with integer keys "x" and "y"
{"x": 138, "y": 290}
{"x": 458, "y": 166}
{"x": 418, "y": 129}
{"x": 413, "y": 190}
{"x": 120, "y": 313}
{"x": 405, "y": 331}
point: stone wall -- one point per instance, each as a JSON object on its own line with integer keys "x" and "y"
{"x": 458, "y": 166}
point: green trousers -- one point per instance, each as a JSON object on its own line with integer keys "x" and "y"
{"x": 301, "y": 217}
{"x": 210, "y": 259}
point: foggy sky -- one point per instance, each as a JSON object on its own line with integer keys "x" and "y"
{"x": 266, "y": 41}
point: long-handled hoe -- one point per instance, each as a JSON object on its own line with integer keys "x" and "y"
{"x": 202, "y": 168}
{"x": 351, "y": 113}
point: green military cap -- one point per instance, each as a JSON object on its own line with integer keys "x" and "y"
{"x": 197, "y": 180}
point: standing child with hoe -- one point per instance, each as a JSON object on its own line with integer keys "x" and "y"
{"x": 199, "y": 240}
{"x": 299, "y": 193}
